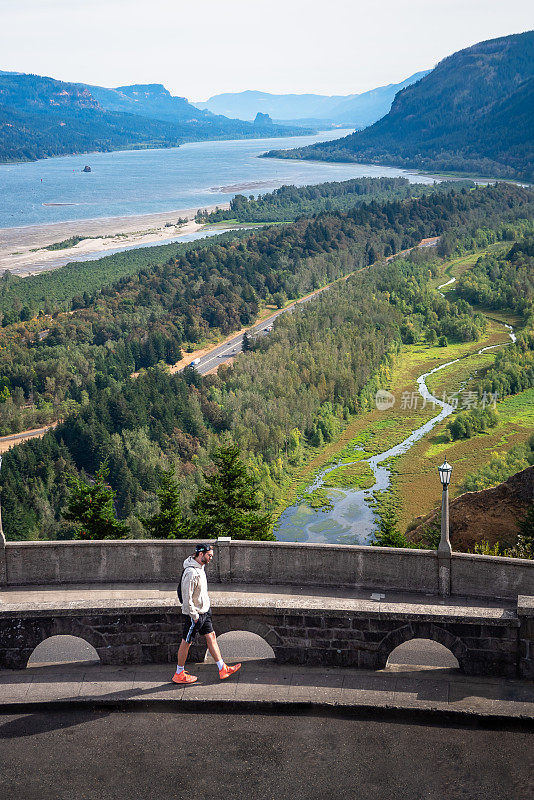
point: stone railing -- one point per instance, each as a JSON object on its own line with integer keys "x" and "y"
{"x": 242, "y": 562}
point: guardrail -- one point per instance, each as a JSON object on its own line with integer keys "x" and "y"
{"x": 245, "y": 562}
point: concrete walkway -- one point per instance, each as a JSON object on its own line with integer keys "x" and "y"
{"x": 124, "y": 595}
{"x": 263, "y": 684}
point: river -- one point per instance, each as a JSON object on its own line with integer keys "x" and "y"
{"x": 352, "y": 520}
{"x": 132, "y": 182}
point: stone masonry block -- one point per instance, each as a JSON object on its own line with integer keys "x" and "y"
{"x": 498, "y": 632}
{"x": 338, "y": 622}
{"x": 384, "y": 625}
{"x": 294, "y": 620}
{"x": 372, "y": 637}
{"x": 272, "y": 638}
{"x": 463, "y": 629}
{"x": 153, "y": 653}
{"x": 314, "y": 621}
{"x": 366, "y": 660}
{"x": 343, "y": 633}
{"x": 324, "y": 644}
{"x": 128, "y": 654}
{"x": 318, "y": 633}
{"x": 340, "y": 644}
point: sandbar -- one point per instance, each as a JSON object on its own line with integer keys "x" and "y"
{"x": 22, "y": 249}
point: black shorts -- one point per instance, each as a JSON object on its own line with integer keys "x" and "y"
{"x": 202, "y": 626}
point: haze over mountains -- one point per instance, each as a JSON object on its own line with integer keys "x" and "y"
{"x": 42, "y": 117}
{"x": 473, "y": 113}
{"x": 359, "y": 110}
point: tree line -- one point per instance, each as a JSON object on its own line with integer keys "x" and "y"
{"x": 289, "y": 202}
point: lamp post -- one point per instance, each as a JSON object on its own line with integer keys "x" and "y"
{"x": 1, "y": 529}
{"x": 444, "y": 549}
{"x": 3, "y": 568}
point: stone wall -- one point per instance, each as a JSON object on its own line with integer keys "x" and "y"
{"x": 378, "y": 568}
{"x": 491, "y": 576}
{"x": 485, "y": 641}
{"x": 525, "y": 611}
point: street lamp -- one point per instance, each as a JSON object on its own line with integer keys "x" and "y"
{"x": 3, "y": 577}
{"x": 444, "y": 549}
{"x": 2, "y": 537}
{"x": 445, "y": 474}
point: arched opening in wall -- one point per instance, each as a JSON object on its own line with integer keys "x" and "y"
{"x": 242, "y": 646}
{"x": 425, "y": 653}
{"x": 58, "y": 650}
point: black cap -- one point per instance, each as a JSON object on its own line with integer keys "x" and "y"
{"x": 203, "y": 548}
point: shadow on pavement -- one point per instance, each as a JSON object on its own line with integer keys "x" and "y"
{"x": 43, "y": 722}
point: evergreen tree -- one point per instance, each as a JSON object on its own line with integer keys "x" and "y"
{"x": 90, "y": 507}
{"x": 524, "y": 547}
{"x": 247, "y": 342}
{"x": 227, "y": 505}
{"x": 169, "y": 522}
{"x": 388, "y": 535}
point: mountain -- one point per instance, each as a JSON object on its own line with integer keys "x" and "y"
{"x": 362, "y": 110}
{"x": 245, "y": 105}
{"x": 472, "y": 113}
{"x": 37, "y": 93}
{"x": 42, "y": 117}
{"x": 355, "y": 109}
{"x": 151, "y": 100}
{"x": 154, "y": 101}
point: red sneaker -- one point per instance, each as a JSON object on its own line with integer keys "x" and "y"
{"x": 183, "y": 677}
{"x": 226, "y": 671}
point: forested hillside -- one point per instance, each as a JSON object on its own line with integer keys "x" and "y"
{"x": 29, "y": 135}
{"x": 502, "y": 281}
{"x": 42, "y": 117}
{"x": 154, "y": 101}
{"x": 49, "y": 292}
{"x": 472, "y": 113}
{"x": 295, "y": 387}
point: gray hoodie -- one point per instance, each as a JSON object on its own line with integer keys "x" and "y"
{"x": 194, "y": 589}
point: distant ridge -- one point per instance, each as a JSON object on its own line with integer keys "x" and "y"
{"x": 473, "y": 114}
{"x": 355, "y": 109}
{"x": 41, "y": 116}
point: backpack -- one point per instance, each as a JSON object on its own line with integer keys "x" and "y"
{"x": 179, "y": 587}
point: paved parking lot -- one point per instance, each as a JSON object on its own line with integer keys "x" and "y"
{"x": 103, "y": 755}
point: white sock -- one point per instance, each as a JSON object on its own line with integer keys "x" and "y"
{"x": 220, "y": 664}
{"x": 179, "y": 669}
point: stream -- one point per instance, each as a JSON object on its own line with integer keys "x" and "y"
{"x": 352, "y": 520}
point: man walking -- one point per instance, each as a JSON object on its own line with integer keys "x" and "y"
{"x": 196, "y": 615}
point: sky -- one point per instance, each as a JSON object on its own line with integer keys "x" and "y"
{"x": 200, "y": 48}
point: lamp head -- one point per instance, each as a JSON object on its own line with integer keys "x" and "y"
{"x": 445, "y": 473}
